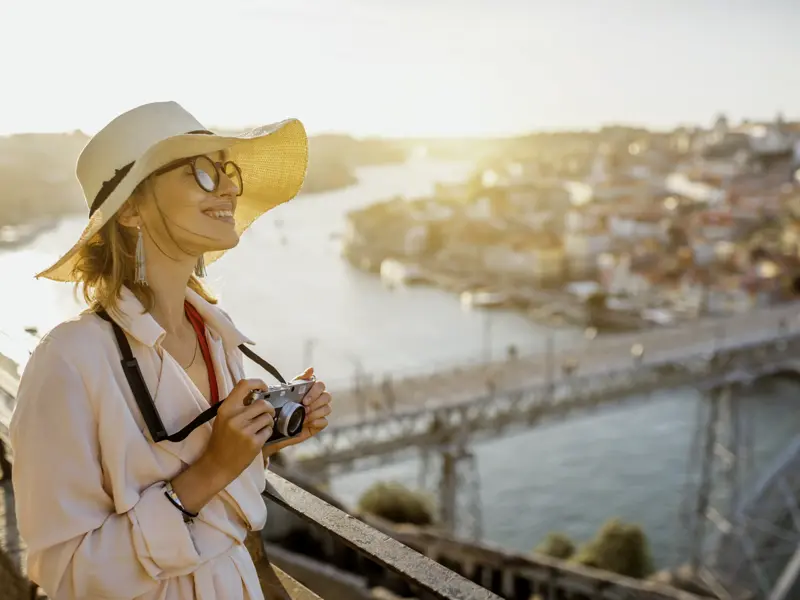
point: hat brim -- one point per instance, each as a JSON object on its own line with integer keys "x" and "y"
{"x": 273, "y": 160}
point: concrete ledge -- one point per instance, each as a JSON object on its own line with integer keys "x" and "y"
{"x": 327, "y": 581}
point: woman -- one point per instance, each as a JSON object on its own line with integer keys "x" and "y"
{"x": 106, "y": 507}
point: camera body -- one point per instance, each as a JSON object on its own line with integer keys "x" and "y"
{"x": 290, "y": 414}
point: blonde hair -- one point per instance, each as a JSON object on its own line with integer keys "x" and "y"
{"x": 107, "y": 262}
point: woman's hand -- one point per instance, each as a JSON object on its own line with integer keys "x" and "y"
{"x": 238, "y": 434}
{"x": 239, "y": 431}
{"x": 318, "y": 406}
{"x": 317, "y": 402}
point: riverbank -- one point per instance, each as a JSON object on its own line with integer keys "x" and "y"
{"x": 480, "y": 288}
{"x": 486, "y": 264}
{"x": 13, "y": 236}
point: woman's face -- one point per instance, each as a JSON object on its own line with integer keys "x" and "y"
{"x": 181, "y": 216}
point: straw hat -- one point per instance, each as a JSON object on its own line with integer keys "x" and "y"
{"x": 273, "y": 160}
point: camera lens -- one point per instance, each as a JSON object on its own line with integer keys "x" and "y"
{"x": 295, "y": 422}
{"x": 290, "y": 418}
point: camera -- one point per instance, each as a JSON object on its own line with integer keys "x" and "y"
{"x": 290, "y": 414}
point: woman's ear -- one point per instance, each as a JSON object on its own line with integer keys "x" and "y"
{"x": 129, "y": 214}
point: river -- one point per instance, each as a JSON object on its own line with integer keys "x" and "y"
{"x": 288, "y": 288}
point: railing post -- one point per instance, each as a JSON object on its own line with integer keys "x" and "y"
{"x": 487, "y": 336}
{"x": 550, "y": 365}
{"x": 448, "y": 489}
{"x": 359, "y": 394}
{"x": 389, "y": 398}
{"x": 703, "y": 495}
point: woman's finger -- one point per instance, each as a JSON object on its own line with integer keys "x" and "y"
{"x": 255, "y": 410}
{"x": 240, "y": 396}
{"x": 312, "y": 394}
{"x": 319, "y": 424}
{"x": 307, "y": 374}
{"x": 324, "y": 399}
{"x": 258, "y": 424}
{"x": 322, "y": 411}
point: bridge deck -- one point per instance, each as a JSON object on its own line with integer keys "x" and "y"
{"x": 606, "y": 353}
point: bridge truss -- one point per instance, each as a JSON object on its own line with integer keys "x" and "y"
{"x": 755, "y": 551}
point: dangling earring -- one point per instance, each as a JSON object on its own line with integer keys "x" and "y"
{"x": 140, "y": 276}
{"x": 200, "y": 267}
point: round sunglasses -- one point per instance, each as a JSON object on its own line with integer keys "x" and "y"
{"x": 207, "y": 173}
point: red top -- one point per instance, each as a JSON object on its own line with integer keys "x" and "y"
{"x": 200, "y": 329}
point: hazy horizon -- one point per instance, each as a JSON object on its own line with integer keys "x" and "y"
{"x": 454, "y": 137}
{"x": 415, "y": 69}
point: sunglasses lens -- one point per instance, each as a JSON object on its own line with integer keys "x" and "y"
{"x": 206, "y": 173}
{"x": 235, "y": 175}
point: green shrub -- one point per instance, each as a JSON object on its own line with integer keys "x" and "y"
{"x": 556, "y": 545}
{"x": 396, "y": 503}
{"x": 620, "y": 548}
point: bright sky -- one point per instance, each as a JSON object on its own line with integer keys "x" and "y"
{"x": 399, "y": 67}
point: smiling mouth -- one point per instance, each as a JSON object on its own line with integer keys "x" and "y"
{"x": 220, "y": 215}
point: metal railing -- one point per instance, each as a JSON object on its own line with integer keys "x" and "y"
{"x": 526, "y": 575}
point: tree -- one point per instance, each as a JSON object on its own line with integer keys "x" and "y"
{"x": 556, "y": 545}
{"x": 396, "y": 503}
{"x": 620, "y": 548}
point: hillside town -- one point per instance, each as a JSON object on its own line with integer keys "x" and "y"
{"x": 623, "y": 227}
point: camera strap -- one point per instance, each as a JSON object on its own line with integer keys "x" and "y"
{"x": 144, "y": 400}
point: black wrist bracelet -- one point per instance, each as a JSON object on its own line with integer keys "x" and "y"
{"x": 173, "y": 498}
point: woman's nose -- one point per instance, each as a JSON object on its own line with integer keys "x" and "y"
{"x": 227, "y": 186}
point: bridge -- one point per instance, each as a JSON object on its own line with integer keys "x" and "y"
{"x": 381, "y": 423}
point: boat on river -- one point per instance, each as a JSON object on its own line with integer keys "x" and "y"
{"x": 396, "y": 273}
{"x": 484, "y": 299}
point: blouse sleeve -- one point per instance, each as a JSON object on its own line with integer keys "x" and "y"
{"x": 78, "y": 546}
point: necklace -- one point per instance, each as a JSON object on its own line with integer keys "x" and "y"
{"x": 194, "y": 355}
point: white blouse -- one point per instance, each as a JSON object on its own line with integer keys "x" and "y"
{"x": 89, "y": 480}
